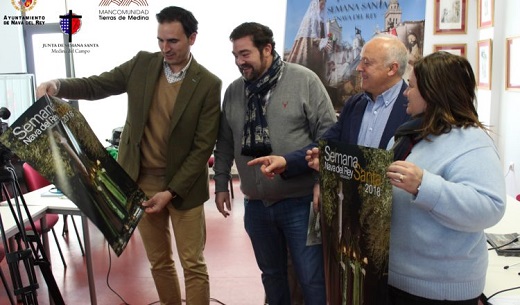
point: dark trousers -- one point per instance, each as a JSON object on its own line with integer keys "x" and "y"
{"x": 399, "y": 297}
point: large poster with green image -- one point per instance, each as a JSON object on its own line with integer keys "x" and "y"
{"x": 356, "y": 205}
{"x": 56, "y": 140}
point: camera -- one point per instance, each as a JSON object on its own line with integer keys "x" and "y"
{"x": 5, "y": 153}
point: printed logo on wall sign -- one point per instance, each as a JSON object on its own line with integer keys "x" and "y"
{"x": 70, "y": 24}
{"x": 22, "y": 19}
{"x": 23, "y": 5}
{"x": 123, "y": 2}
{"x": 123, "y": 14}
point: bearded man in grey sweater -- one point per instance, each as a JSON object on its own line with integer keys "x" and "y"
{"x": 274, "y": 108}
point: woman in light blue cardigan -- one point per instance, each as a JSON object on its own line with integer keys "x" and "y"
{"x": 448, "y": 187}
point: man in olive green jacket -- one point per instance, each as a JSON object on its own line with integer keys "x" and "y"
{"x": 168, "y": 137}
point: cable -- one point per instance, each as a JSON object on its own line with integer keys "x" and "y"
{"x": 508, "y": 289}
{"x": 509, "y": 266}
{"x": 108, "y": 275}
{"x": 121, "y": 298}
{"x": 508, "y": 171}
{"x": 184, "y": 301}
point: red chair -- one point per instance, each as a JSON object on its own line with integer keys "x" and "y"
{"x": 35, "y": 181}
{"x": 4, "y": 280}
{"x": 211, "y": 161}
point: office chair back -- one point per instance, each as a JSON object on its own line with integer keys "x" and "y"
{"x": 33, "y": 179}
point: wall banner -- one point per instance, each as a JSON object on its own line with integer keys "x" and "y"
{"x": 327, "y": 37}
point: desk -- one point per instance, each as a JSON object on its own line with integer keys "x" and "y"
{"x": 58, "y": 205}
{"x": 62, "y": 205}
{"x": 499, "y": 278}
{"x": 37, "y": 212}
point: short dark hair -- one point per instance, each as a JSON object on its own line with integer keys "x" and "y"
{"x": 260, "y": 34}
{"x": 185, "y": 17}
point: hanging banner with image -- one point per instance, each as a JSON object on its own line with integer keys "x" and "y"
{"x": 356, "y": 206}
{"x": 56, "y": 140}
{"x": 327, "y": 37}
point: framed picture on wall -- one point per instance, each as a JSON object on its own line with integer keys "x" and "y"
{"x": 454, "y": 48}
{"x": 484, "y": 56}
{"x": 513, "y": 60}
{"x": 450, "y": 16}
{"x": 486, "y": 10}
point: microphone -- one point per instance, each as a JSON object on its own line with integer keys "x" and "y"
{"x": 506, "y": 244}
{"x": 4, "y": 113}
{"x": 508, "y": 266}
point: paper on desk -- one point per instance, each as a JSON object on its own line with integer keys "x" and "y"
{"x": 511, "y": 300}
{"x": 52, "y": 193}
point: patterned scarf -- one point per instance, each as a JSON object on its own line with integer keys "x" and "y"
{"x": 256, "y": 142}
{"x": 406, "y": 136}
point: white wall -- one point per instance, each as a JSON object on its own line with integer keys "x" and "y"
{"x": 507, "y": 102}
{"x": 119, "y": 41}
{"x": 12, "y": 58}
{"x": 212, "y": 47}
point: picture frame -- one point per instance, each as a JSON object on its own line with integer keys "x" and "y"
{"x": 450, "y": 16}
{"x": 484, "y": 65}
{"x": 453, "y": 48}
{"x": 486, "y": 12}
{"x": 512, "y": 60}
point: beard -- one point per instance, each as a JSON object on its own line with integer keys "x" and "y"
{"x": 253, "y": 73}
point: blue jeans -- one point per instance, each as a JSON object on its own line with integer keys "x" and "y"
{"x": 272, "y": 231}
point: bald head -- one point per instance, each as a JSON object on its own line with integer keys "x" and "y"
{"x": 383, "y": 64}
{"x": 390, "y": 49}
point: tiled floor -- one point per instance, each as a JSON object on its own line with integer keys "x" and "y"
{"x": 234, "y": 275}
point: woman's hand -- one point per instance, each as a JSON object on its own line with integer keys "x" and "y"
{"x": 405, "y": 175}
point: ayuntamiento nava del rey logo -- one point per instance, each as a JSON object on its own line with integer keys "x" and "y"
{"x": 22, "y": 19}
{"x": 23, "y": 5}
